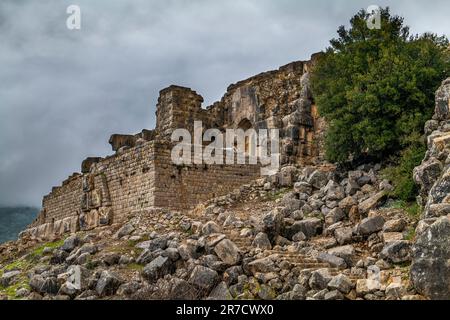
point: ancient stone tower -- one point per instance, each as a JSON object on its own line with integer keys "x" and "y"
{"x": 141, "y": 176}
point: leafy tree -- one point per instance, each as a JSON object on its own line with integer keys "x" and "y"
{"x": 375, "y": 87}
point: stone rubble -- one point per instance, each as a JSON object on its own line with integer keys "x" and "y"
{"x": 284, "y": 242}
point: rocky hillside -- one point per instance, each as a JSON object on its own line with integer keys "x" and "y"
{"x": 307, "y": 233}
{"x": 431, "y": 269}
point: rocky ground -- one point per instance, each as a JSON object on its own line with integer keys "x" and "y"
{"x": 314, "y": 233}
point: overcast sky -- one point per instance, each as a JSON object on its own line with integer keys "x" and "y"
{"x": 64, "y": 92}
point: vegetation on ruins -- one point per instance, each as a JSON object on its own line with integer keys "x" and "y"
{"x": 375, "y": 87}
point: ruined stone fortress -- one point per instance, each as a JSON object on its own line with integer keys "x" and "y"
{"x": 141, "y": 176}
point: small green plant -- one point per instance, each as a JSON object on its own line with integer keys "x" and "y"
{"x": 52, "y": 245}
{"x": 135, "y": 266}
{"x": 17, "y": 265}
{"x": 90, "y": 265}
{"x": 411, "y": 234}
{"x": 275, "y": 195}
{"x": 411, "y": 208}
{"x": 400, "y": 173}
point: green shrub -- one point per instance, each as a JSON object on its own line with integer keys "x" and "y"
{"x": 376, "y": 88}
{"x": 401, "y": 172}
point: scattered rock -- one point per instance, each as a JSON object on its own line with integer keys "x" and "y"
{"x": 371, "y": 203}
{"x": 395, "y": 291}
{"x": 430, "y": 270}
{"x": 8, "y": 278}
{"x": 397, "y": 225}
{"x": 70, "y": 243}
{"x": 204, "y": 278}
{"x": 210, "y": 227}
{"x": 309, "y": 227}
{"x": 124, "y": 231}
{"x": 262, "y": 241}
{"x": 341, "y": 283}
{"x": 319, "y": 279}
{"x": 369, "y": 226}
{"x": 272, "y": 224}
{"x": 228, "y": 252}
{"x": 107, "y": 284}
{"x": 220, "y": 292}
{"x": 334, "y": 216}
{"x": 318, "y": 179}
{"x": 156, "y": 269}
{"x": 397, "y": 251}
{"x": 333, "y": 260}
{"x": 263, "y": 265}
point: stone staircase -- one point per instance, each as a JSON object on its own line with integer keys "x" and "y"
{"x": 295, "y": 259}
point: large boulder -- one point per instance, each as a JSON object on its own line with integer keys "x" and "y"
{"x": 397, "y": 251}
{"x": 318, "y": 179}
{"x": 370, "y": 225}
{"x": 438, "y": 198}
{"x": 204, "y": 278}
{"x": 341, "y": 283}
{"x": 430, "y": 270}
{"x": 441, "y": 111}
{"x": 228, "y": 252}
{"x": 70, "y": 243}
{"x": 334, "y": 191}
{"x": 107, "y": 284}
{"x": 309, "y": 227}
{"x": 272, "y": 224}
{"x": 263, "y": 265}
{"x": 262, "y": 241}
{"x": 372, "y": 202}
{"x": 43, "y": 285}
{"x": 427, "y": 173}
{"x": 158, "y": 268}
{"x": 8, "y": 278}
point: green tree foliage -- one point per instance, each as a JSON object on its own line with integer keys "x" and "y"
{"x": 376, "y": 87}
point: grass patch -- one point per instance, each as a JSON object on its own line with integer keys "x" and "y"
{"x": 17, "y": 265}
{"x": 10, "y": 291}
{"x": 52, "y": 245}
{"x": 135, "y": 267}
{"x": 23, "y": 266}
{"x": 411, "y": 208}
{"x": 411, "y": 234}
{"x": 278, "y": 194}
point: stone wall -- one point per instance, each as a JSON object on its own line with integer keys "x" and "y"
{"x": 185, "y": 186}
{"x": 141, "y": 176}
{"x": 63, "y": 201}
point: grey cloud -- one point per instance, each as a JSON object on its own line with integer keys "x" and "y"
{"x": 62, "y": 93}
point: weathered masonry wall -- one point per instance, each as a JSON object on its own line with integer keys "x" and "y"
{"x": 183, "y": 187}
{"x": 63, "y": 201}
{"x": 138, "y": 178}
{"x": 140, "y": 175}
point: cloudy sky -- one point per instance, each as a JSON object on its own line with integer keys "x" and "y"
{"x": 64, "y": 92}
